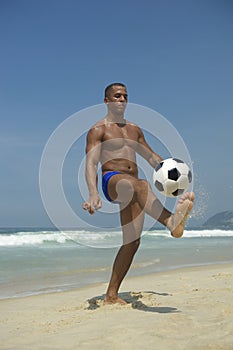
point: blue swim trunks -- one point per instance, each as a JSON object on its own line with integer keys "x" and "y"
{"x": 105, "y": 180}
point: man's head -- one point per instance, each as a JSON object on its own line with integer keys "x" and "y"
{"x": 116, "y": 98}
{"x": 109, "y": 88}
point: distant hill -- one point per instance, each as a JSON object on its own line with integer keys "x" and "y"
{"x": 223, "y": 220}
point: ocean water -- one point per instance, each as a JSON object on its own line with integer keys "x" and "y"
{"x": 42, "y": 261}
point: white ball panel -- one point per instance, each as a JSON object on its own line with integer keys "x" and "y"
{"x": 171, "y": 186}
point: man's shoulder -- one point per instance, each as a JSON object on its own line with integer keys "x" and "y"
{"x": 98, "y": 128}
{"x": 132, "y": 125}
{"x": 100, "y": 124}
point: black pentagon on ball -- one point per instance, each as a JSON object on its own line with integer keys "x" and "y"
{"x": 158, "y": 166}
{"x": 159, "y": 186}
{"x": 174, "y": 174}
{"x": 177, "y": 192}
{"x": 178, "y": 160}
{"x": 190, "y": 176}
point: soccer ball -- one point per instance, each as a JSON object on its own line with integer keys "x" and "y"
{"x": 172, "y": 177}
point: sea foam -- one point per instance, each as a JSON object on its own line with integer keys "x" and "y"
{"x": 95, "y": 239}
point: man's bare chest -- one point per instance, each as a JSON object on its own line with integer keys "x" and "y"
{"x": 118, "y": 137}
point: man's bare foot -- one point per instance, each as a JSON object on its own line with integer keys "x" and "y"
{"x": 177, "y": 221}
{"x": 114, "y": 300}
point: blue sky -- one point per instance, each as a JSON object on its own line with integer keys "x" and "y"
{"x": 175, "y": 57}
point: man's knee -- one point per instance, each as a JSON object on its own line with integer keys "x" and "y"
{"x": 142, "y": 186}
{"x": 131, "y": 243}
{"x": 125, "y": 190}
{"x": 128, "y": 190}
{"x": 135, "y": 244}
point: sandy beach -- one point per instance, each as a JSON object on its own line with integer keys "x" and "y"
{"x": 190, "y": 308}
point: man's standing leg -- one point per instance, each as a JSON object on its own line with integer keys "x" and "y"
{"x": 132, "y": 218}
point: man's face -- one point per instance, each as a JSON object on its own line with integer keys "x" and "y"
{"x": 117, "y": 99}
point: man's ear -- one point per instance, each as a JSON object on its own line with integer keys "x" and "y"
{"x": 106, "y": 100}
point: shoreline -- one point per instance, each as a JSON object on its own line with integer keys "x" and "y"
{"x": 188, "y": 308}
{"x": 131, "y": 275}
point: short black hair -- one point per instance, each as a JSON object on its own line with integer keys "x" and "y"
{"x": 108, "y": 88}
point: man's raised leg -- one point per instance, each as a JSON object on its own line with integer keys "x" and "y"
{"x": 140, "y": 190}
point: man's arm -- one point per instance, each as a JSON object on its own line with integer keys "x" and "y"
{"x": 146, "y": 151}
{"x": 93, "y": 150}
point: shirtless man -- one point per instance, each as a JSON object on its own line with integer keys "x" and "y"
{"x": 114, "y": 142}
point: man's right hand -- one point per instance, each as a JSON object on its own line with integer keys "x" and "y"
{"x": 92, "y": 204}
